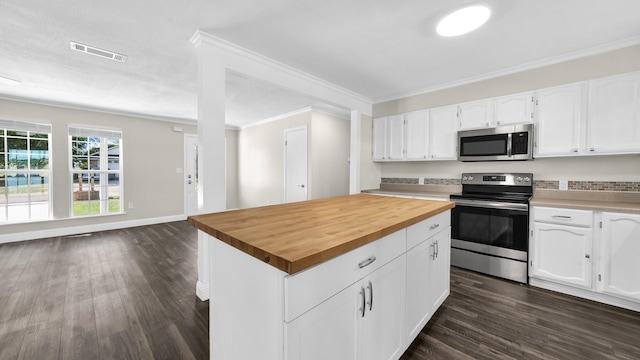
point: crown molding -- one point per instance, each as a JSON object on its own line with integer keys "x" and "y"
{"x": 99, "y": 110}
{"x": 200, "y": 37}
{"x": 520, "y": 68}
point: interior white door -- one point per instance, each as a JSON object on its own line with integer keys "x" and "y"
{"x": 295, "y": 167}
{"x": 191, "y": 174}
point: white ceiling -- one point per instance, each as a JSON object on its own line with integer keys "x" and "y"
{"x": 379, "y": 49}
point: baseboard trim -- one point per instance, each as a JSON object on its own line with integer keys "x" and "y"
{"x": 74, "y": 230}
{"x": 202, "y": 291}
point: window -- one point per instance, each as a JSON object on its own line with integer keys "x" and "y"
{"x": 96, "y": 159}
{"x": 24, "y": 171}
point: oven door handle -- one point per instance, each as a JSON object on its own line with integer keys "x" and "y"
{"x": 493, "y": 205}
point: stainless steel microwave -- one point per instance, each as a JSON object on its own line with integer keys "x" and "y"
{"x": 512, "y": 142}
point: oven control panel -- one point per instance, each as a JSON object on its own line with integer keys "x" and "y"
{"x": 519, "y": 179}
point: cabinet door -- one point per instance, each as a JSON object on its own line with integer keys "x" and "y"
{"x": 476, "y": 114}
{"x": 562, "y": 254}
{"x": 560, "y": 116}
{"x": 418, "y": 311}
{"x": 620, "y": 255}
{"x": 327, "y": 331}
{"x": 439, "y": 269}
{"x": 443, "y": 133}
{"x": 614, "y": 114}
{"x": 395, "y": 137}
{"x": 381, "y": 331}
{"x": 417, "y": 130}
{"x": 379, "y": 139}
{"x": 514, "y": 109}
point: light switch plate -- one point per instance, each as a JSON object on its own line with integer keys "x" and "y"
{"x": 563, "y": 185}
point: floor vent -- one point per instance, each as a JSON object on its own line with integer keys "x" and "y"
{"x": 98, "y": 52}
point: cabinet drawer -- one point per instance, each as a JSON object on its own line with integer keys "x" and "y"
{"x": 310, "y": 287}
{"x": 563, "y": 216}
{"x": 425, "y": 229}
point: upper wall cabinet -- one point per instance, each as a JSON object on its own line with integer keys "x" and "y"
{"x": 560, "y": 120}
{"x": 598, "y": 117}
{"x": 503, "y": 110}
{"x": 388, "y": 138}
{"x": 614, "y": 115}
{"x": 443, "y": 133}
{"x": 417, "y": 136}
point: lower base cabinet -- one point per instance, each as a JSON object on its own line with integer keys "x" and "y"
{"x": 593, "y": 255}
{"x": 364, "y": 321}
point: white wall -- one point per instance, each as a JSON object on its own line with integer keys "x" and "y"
{"x": 604, "y": 168}
{"x": 329, "y": 158}
{"x": 261, "y": 158}
{"x": 152, "y": 152}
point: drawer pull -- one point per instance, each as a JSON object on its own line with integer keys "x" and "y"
{"x": 367, "y": 262}
{"x": 563, "y": 217}
{"x": 433, "y": 227}
{"x": 370, "y": 287}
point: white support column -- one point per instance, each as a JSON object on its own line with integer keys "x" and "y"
{"x": 354, "y": 153}
{"x": 211, "y": 152}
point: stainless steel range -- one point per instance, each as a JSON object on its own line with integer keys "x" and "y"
{"x": 490, "y": 224}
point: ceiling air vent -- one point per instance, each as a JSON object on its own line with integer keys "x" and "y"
{"x": 98, "y": 52}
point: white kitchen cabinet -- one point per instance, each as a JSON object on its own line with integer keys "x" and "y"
{"x": 379, "y": 151}
{"x": 561, "y": 246}
{"x": 614, "y": 114}
{"x": 560, "y": 120}
{"x": 428, "y": 265}
{"x": 562, "y": 254}
{"x": 443, "y": 133}
{"x": 363, "y": 321}
{"x": 476, "y": 114}
{"x": 514, "y": 109}
{"x": 417, "y": 135}
{"x": 388, "y": 138}
{"x": 620, "y": 255}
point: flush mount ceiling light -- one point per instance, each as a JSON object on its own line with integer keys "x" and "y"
{"x": 463, "y": 20}
{"x": 7, "y": 81}
{"x": 98, "y": 52}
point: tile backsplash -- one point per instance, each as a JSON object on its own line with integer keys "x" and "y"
{"x": 632, "y": 186}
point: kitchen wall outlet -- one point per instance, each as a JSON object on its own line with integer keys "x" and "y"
{"x": 130, "y": 206}
{"x": 563, "y": 185}
{"x": 421, "y": 181}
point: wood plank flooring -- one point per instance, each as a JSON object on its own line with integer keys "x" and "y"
{"x": 130, "y": 294}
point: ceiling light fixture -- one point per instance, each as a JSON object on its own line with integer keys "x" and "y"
{"x": 7, "y": 81}
{"x": 98, "y": 52}
{"x": 463, "y": 20}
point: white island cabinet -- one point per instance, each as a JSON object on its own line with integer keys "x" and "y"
{"x": 309, "y": 294}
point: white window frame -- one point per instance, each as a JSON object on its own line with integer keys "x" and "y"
{"x": 10, "y": 125}
{"x": 102, "y": 173}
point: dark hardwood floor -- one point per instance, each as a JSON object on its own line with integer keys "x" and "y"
{"x": 130, "y": 294}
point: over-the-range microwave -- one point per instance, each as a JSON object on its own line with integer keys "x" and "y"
{"x": 513, "y": 142}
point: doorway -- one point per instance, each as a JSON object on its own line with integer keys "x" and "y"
{"x": 295, "y": 164}
{"x": 191, "y": 174}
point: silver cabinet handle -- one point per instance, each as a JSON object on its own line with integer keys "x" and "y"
{"x": 433, "y": 251}
{"x": 363, "y": 301}
{"x": 433, "y": 227}
{"x": 437, "y": 248}
{"x": 367, "y": 262}
{"x": 565, "y": 217}
{"x": 370, "y": 287}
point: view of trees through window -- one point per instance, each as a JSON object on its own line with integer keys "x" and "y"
{"x": 95, "y": 172}
{"x": 24, "y": 175}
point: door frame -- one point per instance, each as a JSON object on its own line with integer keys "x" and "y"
{"x": 184, "y": 170}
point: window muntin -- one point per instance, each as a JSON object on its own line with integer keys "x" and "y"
{"x": 24, "y": 171}
{"x": 95, "y": 171}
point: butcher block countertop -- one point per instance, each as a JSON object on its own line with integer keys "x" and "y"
{"x": 296, "y": 236}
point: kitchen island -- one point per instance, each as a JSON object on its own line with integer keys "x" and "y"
{"x": 347, "y": 277}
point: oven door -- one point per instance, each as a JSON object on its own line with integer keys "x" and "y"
{"x": 496, "y": 228}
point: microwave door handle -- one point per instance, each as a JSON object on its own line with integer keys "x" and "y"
{"x": 509, "y": 140}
